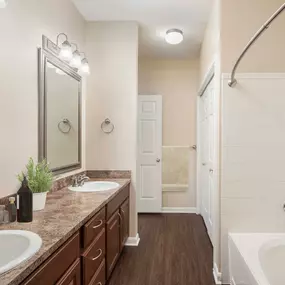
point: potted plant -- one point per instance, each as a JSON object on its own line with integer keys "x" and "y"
{"x": 40, "y": 180}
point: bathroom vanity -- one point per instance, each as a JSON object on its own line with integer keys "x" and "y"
{"x": 81, "y": 244}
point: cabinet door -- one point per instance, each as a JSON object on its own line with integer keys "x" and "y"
{"x": 72, "y": 276}
{"x": 113, "y": 242}
{"x": 124, "y": 227}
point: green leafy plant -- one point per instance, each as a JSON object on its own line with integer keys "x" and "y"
{"x": 39, "y": 176}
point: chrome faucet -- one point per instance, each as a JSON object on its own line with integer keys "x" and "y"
{"x": 81, "y": 179}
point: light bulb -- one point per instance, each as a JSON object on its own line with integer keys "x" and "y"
{"x": 65, "y": 51}
{"x": 76, "y": 59}
{"x": 174, "y": 36}
{"x": 84, "y": 69}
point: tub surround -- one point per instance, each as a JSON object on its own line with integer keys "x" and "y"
{"x": 64, "y": 214}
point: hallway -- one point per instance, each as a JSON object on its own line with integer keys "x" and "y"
{"x": 174, "y": 250}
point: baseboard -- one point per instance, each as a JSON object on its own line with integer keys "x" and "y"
{"x": 217, "y": 275}
{"x": 188, "y": 210}
{"x": 133, "y": 241}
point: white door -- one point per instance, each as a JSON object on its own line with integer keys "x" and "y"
{"x": 206, "y": 143}
{"x": 149, "y": 185}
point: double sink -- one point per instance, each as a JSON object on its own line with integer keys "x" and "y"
{"x": 17, "y": 246}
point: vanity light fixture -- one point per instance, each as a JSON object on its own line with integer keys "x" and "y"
{"x": 65, "y": 48}
{"x": 174, "y": 36}
{"x": 3, "y": 3}
{"x": 72, "y": 56}
{"x": 76, "y": 58}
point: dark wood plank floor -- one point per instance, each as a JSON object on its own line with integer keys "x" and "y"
{"x": 174, "y": 250}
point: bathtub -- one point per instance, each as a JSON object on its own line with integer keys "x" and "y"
{"x": 257, "y": 259}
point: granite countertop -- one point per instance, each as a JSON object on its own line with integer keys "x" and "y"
{"x": 64, "y": 214}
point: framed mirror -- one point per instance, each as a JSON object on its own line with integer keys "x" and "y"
{"x": 59, "y": 111}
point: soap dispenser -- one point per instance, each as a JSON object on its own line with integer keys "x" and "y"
{"x": 25, "y": 203}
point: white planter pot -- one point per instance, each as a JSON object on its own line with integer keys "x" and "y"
{"x": 39, "y": 201}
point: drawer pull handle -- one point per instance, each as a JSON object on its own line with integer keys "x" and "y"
{"x": 99, "y": 225}
{"x": 100, "y": 253}
{"x": 99, "y": 283}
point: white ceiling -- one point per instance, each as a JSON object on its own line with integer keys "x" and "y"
{"x": 154, "y": 18}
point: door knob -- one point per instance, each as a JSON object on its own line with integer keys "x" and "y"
{"x": 157, "y": 160}
{"x": 211, "y": 170}
{"x": 194, "y": 147}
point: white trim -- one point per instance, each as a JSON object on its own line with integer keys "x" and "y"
{"x": 207, "y": 79}
{"x": 217, "y": 275}
{"x": 133, "y": 241}
{"x": 255, "y": 75}
{"x": 172, "y": 210}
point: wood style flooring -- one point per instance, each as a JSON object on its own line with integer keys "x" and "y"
{"x": 174, "y": 250}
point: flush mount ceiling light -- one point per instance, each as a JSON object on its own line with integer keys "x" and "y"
{"x": 65, "y": 48}
{"x": 3, "y": 3}
{"x": 174, "y": 36}
{"x": 76, "y": 58}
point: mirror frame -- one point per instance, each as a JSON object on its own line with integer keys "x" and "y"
{"x": 49, "y": 52}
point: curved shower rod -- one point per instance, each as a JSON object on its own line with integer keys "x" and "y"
{"x": 232, "y": 82}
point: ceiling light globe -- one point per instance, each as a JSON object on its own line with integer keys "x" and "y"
{"x": 66, "y": 51}
{"x": 76, "y": 60}
{"x": 84, "y": 69}
{"x": 174, "y": 36}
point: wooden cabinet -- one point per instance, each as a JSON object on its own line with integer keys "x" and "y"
{"x": 90, "y": 255}
{"x": 72, "y": 276}
{"x": 113, "y": 242}
{"x": 51, "y": 272}
{"x": 124, "y": 226}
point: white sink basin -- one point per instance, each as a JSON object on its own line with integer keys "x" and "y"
{"x": 16, "y": 247}
{"x": 95, "y": 186}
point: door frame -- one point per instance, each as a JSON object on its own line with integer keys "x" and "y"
{"x": 137, "y": 152}
{"x": 213, "y": 74}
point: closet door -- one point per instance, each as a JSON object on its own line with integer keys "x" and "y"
{"x": 206, "y": 155}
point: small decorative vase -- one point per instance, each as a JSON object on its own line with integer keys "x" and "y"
{"x": 39, "y": 201}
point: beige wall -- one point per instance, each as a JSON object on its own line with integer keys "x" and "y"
{"x": 22, "y": 24}
{"x": 112, "y": 49}
{"x": 177, "y": 82}
{"x": 211, "y": 44}
{"x": 239, "y": 22}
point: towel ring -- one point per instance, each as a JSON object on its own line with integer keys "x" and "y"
{"x": 105, "y": 124}
{"x": 66, "y": 122}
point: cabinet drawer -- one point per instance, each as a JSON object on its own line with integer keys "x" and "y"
{"x": 116, "y": 202}
{"x": 99, "y": 277}
{"x": 57, "y": 265}
{"x": 93, "y": 227}
{"x": 93, "y": 257}
{"x": 113, "y": 242}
